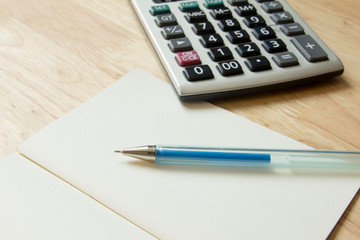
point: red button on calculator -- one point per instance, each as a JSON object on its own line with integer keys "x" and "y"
{"x": 188, "y": 58}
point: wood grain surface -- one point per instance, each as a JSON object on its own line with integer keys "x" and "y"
{"x": 54, "y": 55}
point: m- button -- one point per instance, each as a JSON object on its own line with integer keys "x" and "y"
{"x": 309, "y": 48}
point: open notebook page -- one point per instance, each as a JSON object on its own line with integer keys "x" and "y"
{"x": 36, "y": 205}
{"x": 184, "y": 202}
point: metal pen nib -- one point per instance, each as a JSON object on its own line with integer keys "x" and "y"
{"x": 146, "y": 153}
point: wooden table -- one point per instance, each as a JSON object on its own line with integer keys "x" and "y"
{"x": 54, "y": 55}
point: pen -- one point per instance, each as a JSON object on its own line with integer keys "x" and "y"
{"x": 173, "y": 154}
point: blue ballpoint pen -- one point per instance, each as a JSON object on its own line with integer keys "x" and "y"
{"x": 168, "y": 154}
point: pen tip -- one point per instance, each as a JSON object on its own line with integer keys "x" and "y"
{"x": 118, "y": 151}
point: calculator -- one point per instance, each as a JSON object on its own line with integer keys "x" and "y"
{"x": 218, "y": 48}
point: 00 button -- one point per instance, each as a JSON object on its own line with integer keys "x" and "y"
{"x": 230, "y": 68}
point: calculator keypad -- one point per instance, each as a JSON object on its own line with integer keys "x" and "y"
{"x": 230, "y": 68}
{"x": 248, "y": 49}
{"x": 245, "y": 48}
{"x": 272, "y": 6}
{"x": 212, "y": 40}
{"x": 282, "y": 17}
{"x": 171, "y": 32}
{"x": 246, "y": 10}
{"x": 203, "y": 28}
{"x": 309, "y": 48}
{"x": 188, "y": 58}
{"x": 292, "y": 29}
{"x": 165, "y": 20}
{"x": 197, "y": 73}
{"x": 285, "y": 59}
{"x": 232, "y": 38}
{"x": 274, "y": 46}
{"x": 196, "y": 16}
{"x": 180, "y": 44}
{"x": 220, "y": 54}
{"x": 258, "y": 63}
{"x": 229, "y": 24}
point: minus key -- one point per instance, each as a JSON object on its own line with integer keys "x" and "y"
{"x": 292, "y": 29}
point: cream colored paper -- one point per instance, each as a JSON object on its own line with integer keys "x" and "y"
{"x": 36, "y": 205}
{"x": 182, "y": 202}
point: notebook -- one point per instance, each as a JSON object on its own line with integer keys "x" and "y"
{"x": 178, "y": 202}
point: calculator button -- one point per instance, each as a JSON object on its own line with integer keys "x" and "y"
{"x": 282, "y": 17}
{"x": 229, "y": 68}
{"x": 309, "y": 48}
{"x": 258, "y": 63}
{"x": 255, "y": 21}
{"x": 274, "y": 46}
{"x": 237, "y": 2}
{"x": 196, "y": 16}
{"x": 246, "y": 10}
{"x": 165, "y": 20}
{"x": 188, "y": 58}
{"x": 285, "y": 59}
{"x": 171, "y": 32}
{"x": 210, "y": 4}
{"x": 180, "y": 44}
{"x": 212, "y": 40}
{"x": 229, "y": 24}
{"x": 189, "y": 6}
{"x": 203, "y": 28}
{"x": 248, "y": 50}
{"x": 221, "y": 54}
{"x": 197, "y": 73}
{"x": 161, "y": 9}
{"x": 292, "y": 29}
{"x": 239, "y": 36}
{"x": 221, "y": 13}
{"x": 274, "y": 6}
{"x": 263, "y": 33}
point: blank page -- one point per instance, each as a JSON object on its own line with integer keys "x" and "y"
{"x": 186, "y": 202}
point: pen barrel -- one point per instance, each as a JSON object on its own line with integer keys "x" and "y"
{"x": 316, "y": 159}
{"x": 256, "y": 157}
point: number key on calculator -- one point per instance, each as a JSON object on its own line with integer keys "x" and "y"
{"x": 218, "y": 48}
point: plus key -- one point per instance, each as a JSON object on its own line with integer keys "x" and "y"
{"x": 309, "y": 48}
